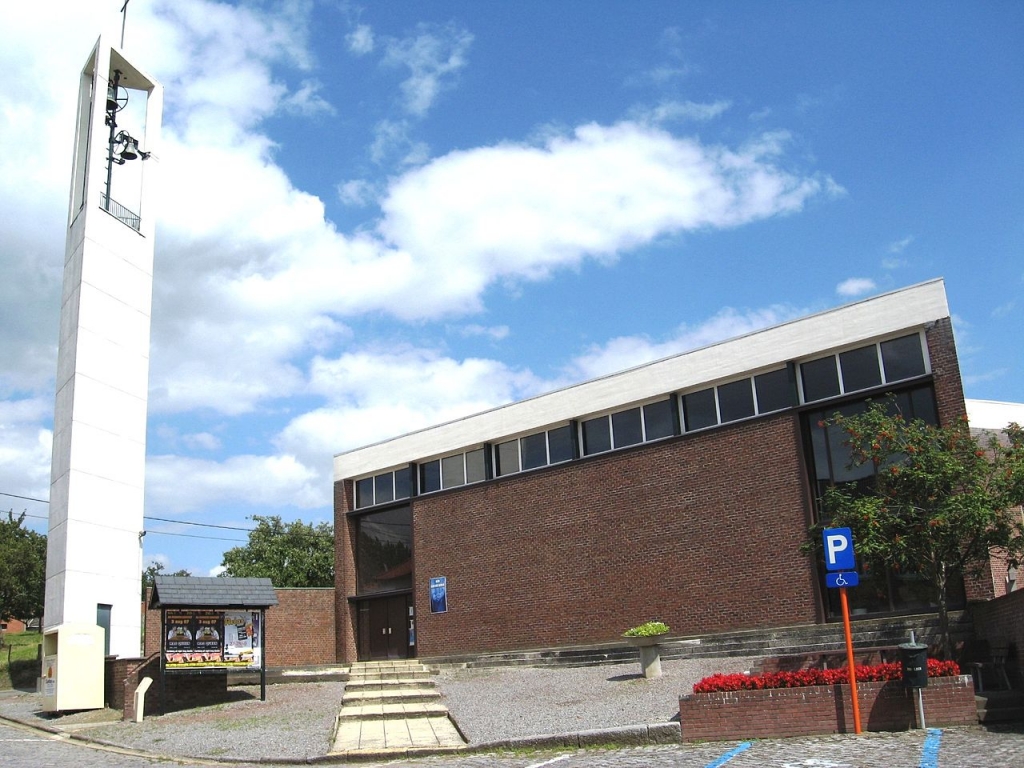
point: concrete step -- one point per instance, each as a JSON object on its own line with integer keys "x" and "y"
{"x": 396, "y": 711}
{"x": 389, "y": 696}
{"x": 1000, "y": 706}
{"x": 385, "y": 684}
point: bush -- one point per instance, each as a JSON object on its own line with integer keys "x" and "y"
{"x": 806, "y": 677}
{"x": 648, "y": 629}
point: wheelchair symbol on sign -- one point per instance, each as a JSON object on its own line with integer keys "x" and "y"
{"x": 842, "y": 579}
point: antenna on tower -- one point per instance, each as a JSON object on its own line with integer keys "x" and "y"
{"x": 124, "y": 18}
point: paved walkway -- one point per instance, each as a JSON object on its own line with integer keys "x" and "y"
{"x": 393, "y": 707}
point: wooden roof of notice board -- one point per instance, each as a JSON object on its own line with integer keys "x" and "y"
{"x": 211, "y": 592}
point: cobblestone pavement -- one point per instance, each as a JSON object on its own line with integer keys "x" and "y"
{"x": 949, "y": 748}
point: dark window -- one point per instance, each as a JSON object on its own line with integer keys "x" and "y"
{"x": 403, "y": 483}
{"x": 430, "y": 476}
{"x": 364, "y": 492}
{"x": 384, "y": 551}
{"x": 736, "y": 400}
{"x": 453, "y": 471}
{"x": 659, "y": 420}
{"x": 476, "y": 466}
{"x": 508, "y": 457}
{"x": 596, "y": 437}
{"x": 699, "y": 409}
{"x": 774, "y": 391}
{"x": 902, "y": 358}
{"x": 820, "y": 378}
{"x": 535, "y": 450}
{"x": 626, "y": 428}
{"x": 860, "y": 369}
{"x": 560, "y": 447}
{"x": 384, "y": 488}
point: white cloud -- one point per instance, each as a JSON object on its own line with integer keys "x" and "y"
{"x": 493, "y": 332}
{"x": 360, "y": 40}
{"x": 357, "y": 192}
{"x": 679, "y": 111}
{"x": 855, "y": 286}
{"x": 307, "y": 100}
{"x": 256, "y": 480}
{"x": 628, "y": 351}
{"x": 898, "y": 246}
{"x": 433, "y": 57}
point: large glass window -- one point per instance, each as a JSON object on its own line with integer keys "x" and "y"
{"x": 508, "y": 457}
{"x": 820, "y": 378}
{"x": 903, "y": 358}
{"x": 775, "y": 390}
{"x": 626, "y": 429}
{"x": 382, "y": 488}
{"x": 860, "y": 368}
{"x": 534, "y": 450}
{"x": 476, "y": 466}
{"x": 384, "y": 551}
{"x": 561, "y": 444}
{"x": 453, "y": 471}
{"x": 659, "y": 420}
{"x": 736, "y": 400}
{"x": 699, "y": 409}
{"x": 430, "y": 476}
{"x": 597, "y": 436}
{"x": 881, "y": 590}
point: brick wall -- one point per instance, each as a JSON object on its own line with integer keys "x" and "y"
{"x": 1001, "y": 622}
{"x": 824, "y": 709}
{"x": 299, "y": 631}
{"x": 701, "y": 532}
{"x": 300, "y": 628}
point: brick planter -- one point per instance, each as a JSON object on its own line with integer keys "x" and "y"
{"x": 824, "y": 709}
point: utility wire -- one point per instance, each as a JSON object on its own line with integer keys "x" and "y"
{"x": 145, "y": 517}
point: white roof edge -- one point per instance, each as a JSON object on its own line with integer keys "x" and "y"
{"x": 993, "y": 414}
{"x": 888, "y": 313}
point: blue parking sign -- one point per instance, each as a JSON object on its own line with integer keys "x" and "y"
{"x": 838, "y": 549}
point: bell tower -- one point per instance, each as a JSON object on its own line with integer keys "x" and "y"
{"x": 94, "y": 546}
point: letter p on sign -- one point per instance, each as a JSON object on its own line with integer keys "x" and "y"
{"x": 838, "y": 549}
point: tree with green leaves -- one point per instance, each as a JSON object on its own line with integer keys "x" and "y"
{"x": 293, "y": 554}
{"x": 942, "y": 501}
{"x": 157, "y": 569}
{"x": 22, "y": 569}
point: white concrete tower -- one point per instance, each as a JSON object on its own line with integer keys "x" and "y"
{"x": 94, "y": 548}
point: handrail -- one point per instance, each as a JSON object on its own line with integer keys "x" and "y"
{"x": 121, "y": 213}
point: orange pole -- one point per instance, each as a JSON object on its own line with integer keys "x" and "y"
{"x": 849, "y": 659}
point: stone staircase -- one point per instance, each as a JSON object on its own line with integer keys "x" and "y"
{"x": 393, "y": 707}
{"x": 1000, "y": 707}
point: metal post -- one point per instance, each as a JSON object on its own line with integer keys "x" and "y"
{"x": 849, "y": 659}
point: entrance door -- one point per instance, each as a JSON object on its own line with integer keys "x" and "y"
{"x": 388, "y": 628}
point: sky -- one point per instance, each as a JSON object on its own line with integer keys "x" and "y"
{"x": 377, "y": 217}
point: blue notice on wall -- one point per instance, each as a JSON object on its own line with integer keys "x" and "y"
{"x": 439, "y": 594}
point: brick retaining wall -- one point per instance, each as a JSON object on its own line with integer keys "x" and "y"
{"x": 1001, "y": 622}
{"x": 823, "y": 709}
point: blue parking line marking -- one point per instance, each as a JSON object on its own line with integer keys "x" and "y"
{"x": 728, "y": 756}
{"x": 930, "y": 750}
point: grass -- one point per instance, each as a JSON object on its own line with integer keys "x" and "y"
{"x": 19, "y": 665}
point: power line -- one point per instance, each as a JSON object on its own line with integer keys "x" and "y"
{"x": 145, "y": 517}
{"x": 168, "y": 533}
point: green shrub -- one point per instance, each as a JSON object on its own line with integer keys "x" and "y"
{"x": 648, "y": 629}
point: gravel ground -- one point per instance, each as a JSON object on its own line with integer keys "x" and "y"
{"x": 512, "y": 702}
{"x": 297, "y": 719}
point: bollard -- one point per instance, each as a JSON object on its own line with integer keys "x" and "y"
{"x": 140, "y": 697}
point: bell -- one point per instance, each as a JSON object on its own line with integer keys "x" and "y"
{"x": 112, "y": 105}
{"x": 131, "y": 149}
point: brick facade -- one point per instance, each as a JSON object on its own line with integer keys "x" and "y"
{"x": 1000, "y": 622}
{"x": 299, "y": 630}
{"x": 823, "y": 709}
{"x": 701, "y": 531}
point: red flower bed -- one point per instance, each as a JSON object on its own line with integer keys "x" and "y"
{"x": 805, "y": 677}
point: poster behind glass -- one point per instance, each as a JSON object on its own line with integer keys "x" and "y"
{"x": 197, "y": 639}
